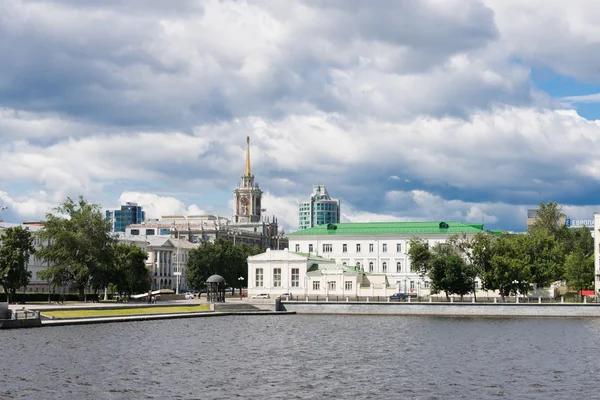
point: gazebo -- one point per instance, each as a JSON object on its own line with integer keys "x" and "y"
{"x": 215, "y": 289}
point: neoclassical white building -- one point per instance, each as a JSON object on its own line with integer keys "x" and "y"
{"x": 276, "y": 272}
{"x": 378, "y": 247}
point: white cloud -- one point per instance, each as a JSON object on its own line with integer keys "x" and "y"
{"x": 157, "y": 206}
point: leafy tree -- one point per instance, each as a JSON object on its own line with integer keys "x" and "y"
{"x": 419, "y": 256}
{"x": 510, "y": 267}
{"x": 482, "y": 251}
{"x": 221, "y": 257}
{"x": 579, "y": 264}
{"x": 78, "y": 244}
{"x": 548, "y": 219}
{"x": 17, "y": 248}
{"x": 131, "y": 274}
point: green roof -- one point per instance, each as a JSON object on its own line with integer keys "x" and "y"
{"x": 390, "y": 228}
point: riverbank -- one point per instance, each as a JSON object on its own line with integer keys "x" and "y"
{"x": 83, "y": 313}
{"x": 444, "y": 309}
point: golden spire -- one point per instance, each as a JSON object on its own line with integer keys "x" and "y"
{"x": 247, "y": 173}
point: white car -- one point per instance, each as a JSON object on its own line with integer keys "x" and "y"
{"x": 261, "y": 296}
{"x": 189, "y": 296}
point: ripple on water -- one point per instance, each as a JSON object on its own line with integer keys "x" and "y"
{"x": 304, "y": 357}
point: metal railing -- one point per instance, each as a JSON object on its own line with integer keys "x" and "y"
{"x": 439, "y": 299}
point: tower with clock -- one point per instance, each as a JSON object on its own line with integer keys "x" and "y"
{"x": 247, "y": 196}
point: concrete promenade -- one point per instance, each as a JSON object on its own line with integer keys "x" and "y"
{"x": 231, "y": 307}
{"x": 445, "y": 309}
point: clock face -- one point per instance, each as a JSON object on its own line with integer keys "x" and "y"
{"x": 244, "y": 200}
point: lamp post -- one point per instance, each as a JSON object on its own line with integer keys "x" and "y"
{"x": 177, "y": 273}
{"x": 241, "y": 279}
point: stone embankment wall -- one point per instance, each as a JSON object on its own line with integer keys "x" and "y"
{"x": 4, "y": 311}
{"x": 445, "y": 309}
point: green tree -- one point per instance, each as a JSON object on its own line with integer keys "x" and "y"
{"x": 579, "y": 264}
{"x": 221, "y": 257}
{"x": 419, "y": 255}
{"x": 482, "y": 252}
{"x": 510, "y": 266}
{"x": 130, "y": 272}
{"x": 78, "y": 244}
{"x": 548, "y": 219}
{"x": 17, "y": 248}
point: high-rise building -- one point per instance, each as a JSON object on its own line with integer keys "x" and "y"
{"x": 320, "y": 209}
{"x": 129, "y": 214}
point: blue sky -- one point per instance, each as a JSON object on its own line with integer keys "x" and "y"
{"x": 427, "y": 110}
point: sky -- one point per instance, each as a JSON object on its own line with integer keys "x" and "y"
{"x": 452, "y": 110}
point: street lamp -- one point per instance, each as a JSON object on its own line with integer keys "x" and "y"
{"x": 177, "y": 264}
{"x": 241, "y": 279}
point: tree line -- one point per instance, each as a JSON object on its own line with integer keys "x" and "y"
{"x": 80, "y": 250}
{"x": 509, "y": 263}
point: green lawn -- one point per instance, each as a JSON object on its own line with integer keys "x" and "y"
{"x": 126, "y": 311}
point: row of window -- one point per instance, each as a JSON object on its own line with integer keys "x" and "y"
{"x": 384, "y": 266}
{"x": 328, "y": 248}
{"x": 331, "y": 285}
{"x": 259, "y": 277}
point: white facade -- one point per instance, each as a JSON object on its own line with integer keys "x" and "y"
{"x": 280, "y": 271}
{"x": 596, "y": 253}
{"x": 386, "y": 255}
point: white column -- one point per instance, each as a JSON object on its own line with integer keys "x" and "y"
{"x": 158, "y": 263}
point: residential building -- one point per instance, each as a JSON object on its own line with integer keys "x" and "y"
{"x": 377, "y": 247}
{"x": 129, "y": 214}
{"x": 320, "y": 209}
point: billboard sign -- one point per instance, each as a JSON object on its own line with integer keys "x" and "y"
{"x": 579, "y": 223}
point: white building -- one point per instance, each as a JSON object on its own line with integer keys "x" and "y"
{"x": 596, "y": 253}
{"x": 378, "y": 247}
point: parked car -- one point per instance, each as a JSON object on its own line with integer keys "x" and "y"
{"x": 261, "y": 296}
{"x": 398, "y": 296}
{"x": 189, "y": 296}
{"x": 288, "y": 295}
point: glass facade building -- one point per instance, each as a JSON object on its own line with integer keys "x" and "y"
{"x": 129, "y": 214}
{"x": 319, "y": 210}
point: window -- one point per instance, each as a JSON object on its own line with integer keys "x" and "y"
{"x": 297, "y": 248}
{"x": 149, "y": 232}
{"x": 358, "y": 264}
{"x": 348, "y": 285}
{"x": 310, "y": 248}
{"x": 358, "y": 248}
{"x": 412, "y": 285}
{"x": 259, "y": 277}
{"x": 316, "y": 285}
{"x": 327, "y": 248}
{"x": 384, "y": 247}
{"x": 426, "y": 284}
{"x": 398, "y": 247}
{"x": 344, "y": 263}
{"x": 476, "y": 285}
{"x": 371, "y": 266}
{"x": 135, "y": 231}
{"x": 370, "y": 247}
{"x": 276, "y": 277}
{"x": 331, "y": 285}
{"x": 295, "y": 277}
{"x": 384, "y": 267}
{"x": 398, "y": 266}
{"x": 344, "y": 248}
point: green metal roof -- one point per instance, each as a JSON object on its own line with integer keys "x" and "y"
{"x": 390, "y": 228}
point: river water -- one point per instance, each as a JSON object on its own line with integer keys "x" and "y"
{"x": 305, "y": 357}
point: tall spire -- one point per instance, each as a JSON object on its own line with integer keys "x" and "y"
{"x": 247, "y": 173}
